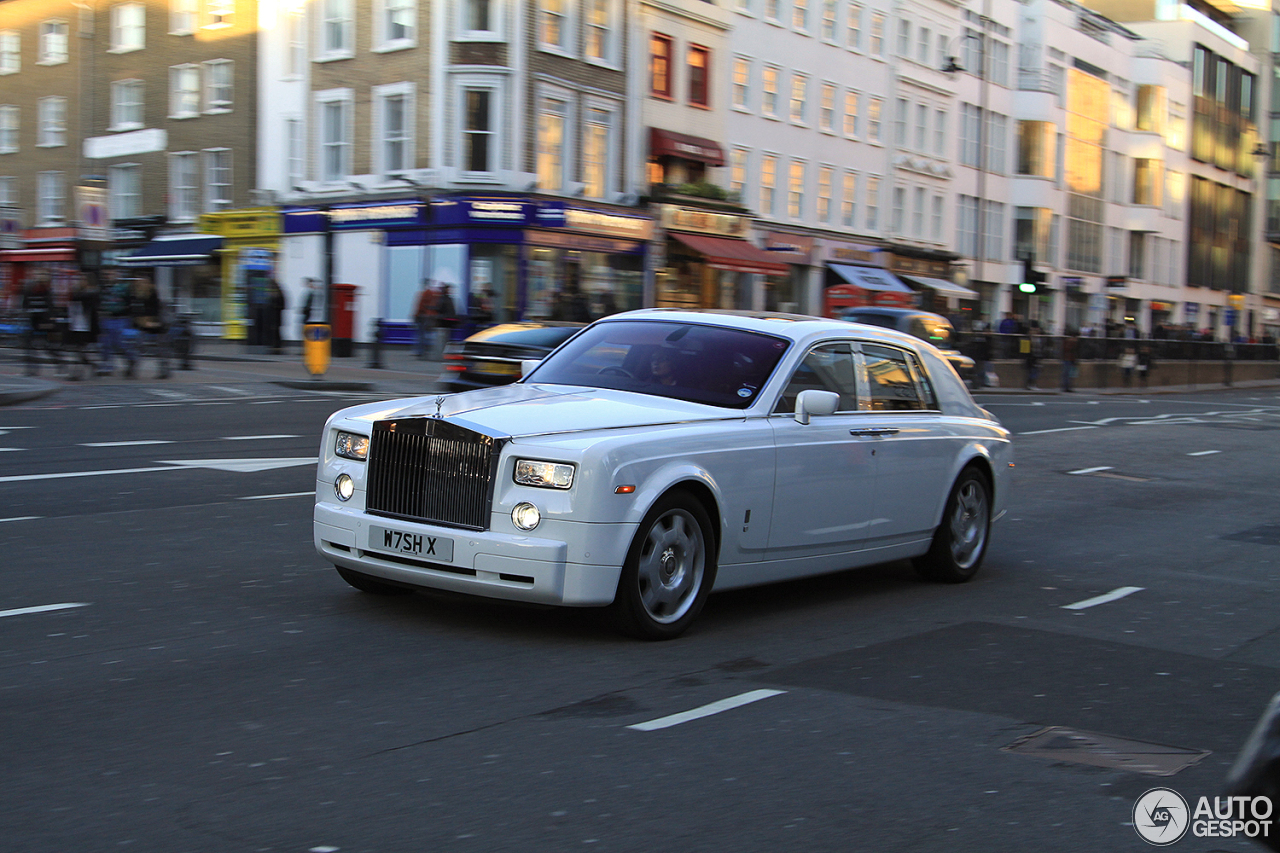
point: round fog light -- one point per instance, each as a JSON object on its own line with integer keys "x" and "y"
{"x": 344, "y": 487}
{"x": 525, "y": 516}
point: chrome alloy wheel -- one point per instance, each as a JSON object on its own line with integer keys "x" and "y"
{"x": 969, "y": 523}
{"x": 672, "y": 564}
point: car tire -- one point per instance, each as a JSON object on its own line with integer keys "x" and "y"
{"x": 960, "y": 542}
{"x": 364, "y": 583}
{"x": 669, "y": 570}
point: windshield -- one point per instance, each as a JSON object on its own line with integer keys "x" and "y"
{"x": 686, "y": 361}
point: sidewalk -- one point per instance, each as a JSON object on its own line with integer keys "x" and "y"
{"x": 400, "y": 374}
{"x": 219, "y": 361}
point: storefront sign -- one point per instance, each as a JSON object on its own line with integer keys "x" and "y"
{"x": 1117, "y": 281}
{"x": 91, "y": 211}
{"x": 242, "y": 224}
{"x": 372, "y": 216}
{"x": 791, "y": 248}
{"x": 609, "y": 224}
{"x": 10, "y": 227}
{"x": 701, "y": 221}
{"x": 1191, "y": 310}
{"x": 126, "y": 144}
{"x": 583, "y": 242}
{"x": 859, "y": 254}
{"x": 919, "y": 266}
{"x": 1072, "y": 282}
{"x": 482, "y": 211}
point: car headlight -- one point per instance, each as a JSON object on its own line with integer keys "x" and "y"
{"x": 352, "y": 446}
{"x": 544, "y": 475}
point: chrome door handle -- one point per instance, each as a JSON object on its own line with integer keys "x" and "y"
{"x": 875, "y": 431}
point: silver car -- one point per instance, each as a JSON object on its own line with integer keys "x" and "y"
{"x": 662, "y": 453}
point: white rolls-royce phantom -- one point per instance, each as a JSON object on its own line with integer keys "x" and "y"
{"x": 660, "y": 453}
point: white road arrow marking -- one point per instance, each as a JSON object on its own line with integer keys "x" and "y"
{"x": 244, "y": 466}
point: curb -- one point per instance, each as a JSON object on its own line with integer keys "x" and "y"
{"x": 34, "y": 390}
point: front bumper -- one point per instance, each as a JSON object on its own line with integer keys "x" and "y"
{"x": 567, "y": 563}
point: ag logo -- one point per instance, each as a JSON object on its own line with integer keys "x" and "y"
{"x": 1160, "y": 816}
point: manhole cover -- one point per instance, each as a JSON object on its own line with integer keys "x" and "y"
{"x": 1115, "y": 753}
{"x": 1264, "y": 534}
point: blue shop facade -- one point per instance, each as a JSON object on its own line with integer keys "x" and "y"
{"x": 533, "y": 258}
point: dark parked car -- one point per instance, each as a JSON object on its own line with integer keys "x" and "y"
{"x": 493, "y": 356}
{"x": 933, "y": 328}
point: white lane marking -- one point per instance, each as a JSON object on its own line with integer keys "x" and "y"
{"x": 43, "y": 608}
{"x": 310, "y": 494}
{"x": 1114, "y": 595}
{"x": 27, "y": 477}
{"x": 10, "y": 449}
{"x": 1204, "y": 453}
{"x": 239, "y": 392}
{"x": 243, "y": 466}
{"x": 22, "y": 518}
{"x": 1059, "y": 429}
{"x": 124, "y": 443}
{"x": 254, "y": 437}
{"x": 1091, "y": 470}
{"x": 706, "y": 710}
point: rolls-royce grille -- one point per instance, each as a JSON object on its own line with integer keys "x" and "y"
{"x": 427, "y": 469}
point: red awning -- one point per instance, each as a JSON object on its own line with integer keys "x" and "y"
{"x": 47, "y": 254}
{"x": 725, "y": 253}
{"x": 668, "y": 143}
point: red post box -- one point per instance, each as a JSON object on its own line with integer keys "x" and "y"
{"x": 344, "y": 310}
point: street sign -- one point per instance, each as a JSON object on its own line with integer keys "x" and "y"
{"x": 91, "y": 211}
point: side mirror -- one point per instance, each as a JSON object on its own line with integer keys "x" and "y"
{"x": 527, "y": 365}
{"x": 813, "y": 402}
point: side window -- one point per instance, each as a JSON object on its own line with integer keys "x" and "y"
{"x": 926, "y": 384}
{"x": 889, "y": 380}
{"x": 829, "y": 367}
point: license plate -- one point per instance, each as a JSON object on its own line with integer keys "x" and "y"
{"x": 414, "y": 544}
{"x": 495, "y": 368}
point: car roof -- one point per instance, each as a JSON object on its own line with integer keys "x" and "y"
{"x": 801, "y": 328}
{"x": 886, "y": 311}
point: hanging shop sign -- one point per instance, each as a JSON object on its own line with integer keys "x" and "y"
{"x": 676, "y": 218}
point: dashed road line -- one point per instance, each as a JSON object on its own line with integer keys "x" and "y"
{"x": 21, "y": 518}
{"x": 255, "y": 437}
{"x": 706, "y": 710}
{"x": 1059, "y": 429}
{"x": 1114, "y": 595}
{"x": 42, "y": 608}
{"x": 139, "y": 443}
{"x": 1091, "y": 470}
{"x": 309, "y": 494}
{"x": 1204, "y": 453}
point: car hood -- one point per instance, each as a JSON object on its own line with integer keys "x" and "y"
{"x": 527, "y": 410}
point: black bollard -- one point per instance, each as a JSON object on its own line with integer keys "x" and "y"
{"x": 375, "y": 348}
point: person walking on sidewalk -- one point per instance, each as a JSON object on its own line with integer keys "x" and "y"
{"x": 148, "y": 320}
{"x": 1030, "y": 349}
{"x": 117, "y": 325}
{"x": 446, "y": 319}
{"x": 37, "y": 305}
{"x": 425, "y": 314}
{"x": 1070, "y": 359}
{"x": 82, "y": 327}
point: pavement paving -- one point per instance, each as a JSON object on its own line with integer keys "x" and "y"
{"x": 399, "y": 373}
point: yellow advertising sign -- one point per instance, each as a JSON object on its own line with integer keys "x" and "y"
{"x": 315, "y": 348}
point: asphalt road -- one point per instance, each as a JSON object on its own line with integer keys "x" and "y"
{"x": 207, "y": 683}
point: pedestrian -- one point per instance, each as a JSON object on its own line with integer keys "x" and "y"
{"x": 149, "y": 322}
{"x": 980, "y": 350}
{"x": 425, "y": 312}
{"x": 37, "y": 305}
{"x": 1128, "y": 361}
{"x": 276, "y": 305}
{"x": 446, "y": 318}
{"x": 1030, "y": 348}
{"x": 83, "y": 327}
{"x": 1146, "y": 364}
{"x": 1070, "y": 359}
{"x": 312, "y": 303}
{"x": 116, "y": 319}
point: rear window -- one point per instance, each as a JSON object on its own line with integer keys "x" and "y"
{"x": 686, "y": 361}
{"x": 550, "y": 337}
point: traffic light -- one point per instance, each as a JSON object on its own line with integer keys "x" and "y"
{"x": 1031, "y": 280}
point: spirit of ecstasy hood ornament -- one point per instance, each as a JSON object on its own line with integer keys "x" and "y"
{"x": 439, "y": 403}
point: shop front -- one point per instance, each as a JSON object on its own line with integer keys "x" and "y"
{"x": 52, "y": 251}
{"x": 789, "y": 294}
{"x": 711, "y": 264}
{"x": 250, "y": 247}
{"x": 853, "y": 276}
{"x": 187, "y": 272}
{"x": 523, "y": 257}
